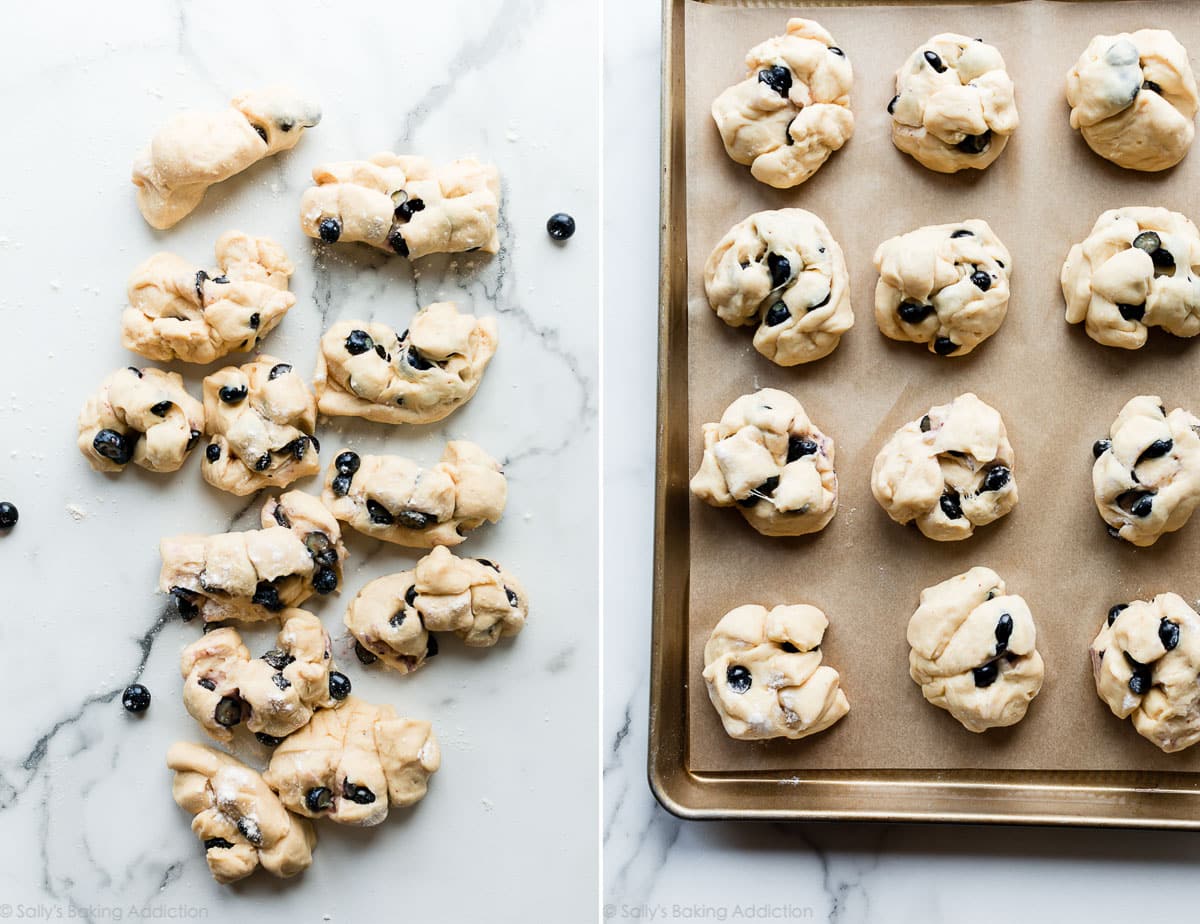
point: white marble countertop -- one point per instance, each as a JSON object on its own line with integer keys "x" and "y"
{"x": 90, "y": 829}
{"x": 658, "y": 868}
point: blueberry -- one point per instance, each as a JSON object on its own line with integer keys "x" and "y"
{"x": 417, "y": 361}
{"x": 778, "y": 78}
{"x": 560, "y": 226}
{"x": 262, "y": 132}
{"x": 1004, "y": 631}
{"x": 233, "y": 394}
{"x": 798, "y": 447}
{"x": 278, "y": 658}
{"x": 837, "y": 51}
{"x": 1116, "y": 611}
{"x": 962, "y": 232}
{"x": 777, "y": 314}
{"x": 201, "y": 277}
{"x": 347, "y": 463}
{"x": 1100, "y": 447}
{"x": 925, "y": 424}
{"x": 360, "y": 794}
{"x": 986, "y": 674}
{"x": 489, "y": 564}
{"x": 410, "y": 596}
{"x": 944, "y": 346}
{"x": 266, "y": 595}
{"x": 280, "y": 681}
{"x": 135, "y": 370}
{"x": 340, "y": 485}
{"x": 1152, "y": 86}
{"x": 330, "y": 230}
{"x": 513, "y": 600}
{"x": 136, "y": 698}
{"x": 766, "y": 489}
{"x": 1139, "y": 503}
{"x": 358, "y": 341}
{"x": 975, "y": 144}
{"x": 1132, "y": 312}
{"x": 217, "y": 843}
{"x": 364, "y": 656}
{"x": 935, "y": 62}
{"x": 8, "y": 515}
{"x": 263, "y": 462}
{"x": 193, "y": 439}
{"x": 996, "y": 478}
{"x": 281, "y": 516}
{"x": 891, "y": 107}
{"x": 297, "y": 447}
{"x": 255, "y": 320}
{"x": 318, "y": 799}
{"x": 781, "y": 269}
{"x": 325, "y": 581}
{"x": 161, "y": 409}
{"x": 738, "y": 678}
{"x": 185, "y": 602}
{"x": 431, "y": 646}
{"x": 415, "y": 519}
{"x": 1147, "y": 241}
{"x": 114, "y": 446}
{"x": 982, "y": 280}
{"x": 397, "y": 619}
{"x": 228, "y": 712}
{"x": 1155, "y": 450}
{"x": 396, "y": 241}
{"x": 339, "y": 685}
{"x": 266, "y": 740}
{"x": 951, "y": 505}
{"x": 405, "y": 210}
{"x": 1140, "y": 680}
{"x": 913, "y": 313}
{"x": 1168, "y": 634}
{"x": 278, "y": 370}
{"x": 789, "y": 648}
{"x": 379, "y": 514}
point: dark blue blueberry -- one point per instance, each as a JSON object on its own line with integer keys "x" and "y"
{"x": 379, "y": 514}
{"x": 837, "y": 51}
{"x": 281, "y": 516}
{"x": 1004, "y": 631}
{"x": 410, "y": 596}
{"x": 935, "y": 62}
{"x": 778, "y": 78}
{"x": 1116, "y": 611}
{"x": 1155, "y": 450}
{"x": 201, "y": 276}
{"x": 431, "y": 646}
{"x": 1132, "y": 312}
{"x": 136, "y": 698}
{"x": 982, "y": 280}
{"x": 975, "y": 144}
{"x": 962, "y": 232}
{"x": 193, "y": 439}
{"x": 925, "y": 424}
{"x": 415, "y": 519}
{"x": 280, "y": 681}
{"x": 397, "y": 242}
{"x": 263, "y": 462}
{"x": 913, "y": 313}
{"x": 951, "y": 505}
{"x": 1100, "y": 447}
{"x": 278, "y": 370}
{"x": 777, "y": 314}
{"x": 996, "y": 478}
{"x": 360, "y": 794}
{"x": 347, "y": 463}
{"x": 161, "y": 409}
{"x": 798, "y": 447}
{"x": 114, "y": 446}
{"x": 1152, "y": 86}
{"x": 513, "y": 599}
{"x": 340, "y": 485}
{"x": 278, "y": 658}
{"x": 255, "y": 320}
{"x": 233, "y": 394}
{"x": 8, "y": 515}
{"x": 560, "y": 226}
{"x": 1140, "y": 680}
{"x": 986, "y": 674}
{"x": 1168, "y": 634}
{"x": 892, "y": 105}
{"x": 266, "y": 595}
{"x": 325, "y": 581}
{"x": 185, "y": 602}
{"x": 318, "y": 799}
{"x": 217, "y": 843}
{"x": 339, "y": 685}
{"x": 330, "y": 230}
{"x": 228, "y": 712}
{"x": 944, "y": 346}
{"x": 406, "y": 209}
{"x": 781, "y": 269}
{"x": 358, "y": 341}
{"x": 417, "y": 361}
{"x": 364, "y": 656}
{"x": 738, "y": 678}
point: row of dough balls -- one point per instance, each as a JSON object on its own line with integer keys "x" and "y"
{"x": 947, "y": 286}
{"x": 399, "y": 204}
{"x": 1132, "y": 96}
{"x": 261, "y": 417}
{"x": 948, "y": 472}
{"x": 973, "y": 652}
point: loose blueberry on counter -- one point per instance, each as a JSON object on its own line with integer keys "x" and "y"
{"x": 8, "y": 515}
{"x": 114, "y": 446}
{"x": 233, "y": 394}
{"x": 325, "y": 581}
{"x": 982, "y": 280}
{"x": 358, "y": 341}
{"x": 781, "y": 269}
{"x": 996, "y": 478}
{"x": 1100, "y": 447}
{"x": 914, "y": 313}
{"x": 1168, "y": 634}
{"x": 339, "y": 685}
{"x": 944, "y": 346}
{"x": 330, "y": 230}
{"x": 136, "y": 698}
{"x": 798, "y": 447}
{"x": 1140, "y": 680}
{"x": 364, "y": 656}
{"x": 975, "y": 144}
{"x": 1116, "y": 611}
{"x": 935, "y": 62}
{"x": 318, "y": 799}
{"x": 778, "y": 78}
{"x": 738, "y": 678}
{"x": 777, "y": 314}
{"x": 986, "y": 674}
{"x": 278, "y": 370}
{"x": 560, "y": 226}
{"x": 1155, "y": 450}
{"x": 228, "y": 712}
{"x": 951, "y": 505}
{"x": 266, "y": 740}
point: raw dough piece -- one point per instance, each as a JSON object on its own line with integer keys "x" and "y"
{"x": 1138, "y": 268}
{"x": 397, "y": 500}
{"x": 793, "y": 109}
{"x": 1146, "y": 660}
{"x": 240, "y": 820}
{"x": 256, "y": 575}
{"x": 196, "y": 149}
{"x": 394, "y": 617}
{"x": 1133, "y": 96}
{"x": 1147, "y": 474}
{"x": 951, "y": 471}
{"x": 365, "y": 369}
{"x": 178, "y": 311}
{"x": 770, "y": 460}
{"x": 954, "y": 106}
{"x": 765, "y": 677}
{"x": 142, "y": 416}
{"x": 406, "y": 205}
{"x": 349, "y": 763}
{"x": 943, "y": 285}
{"x": 783, "y": 271}
{"x": 275, "y": 694}
{"x": 973, "y": 650}
{"x": 261, "y": 417}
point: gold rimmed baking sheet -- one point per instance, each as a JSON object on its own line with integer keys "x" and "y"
{"x": 894, "y": 756}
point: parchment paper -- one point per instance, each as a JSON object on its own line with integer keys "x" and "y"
{"x": 1056, "y": 389}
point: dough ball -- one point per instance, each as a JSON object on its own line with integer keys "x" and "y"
{"x": 943, "y": 285}
{"x": 770, "y": 461}
{"x": 1133, "y": 97}
{"x": 949, "y": 472}
{"x": 793, "y": 109}
{"x": 973, "y": 650}
{"x": 765, "y": 677}
{"x": 954, "y": 106}
{"x": 782, "y": 271}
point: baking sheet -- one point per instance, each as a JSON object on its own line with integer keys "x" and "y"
{"x": 1056, "y": 389}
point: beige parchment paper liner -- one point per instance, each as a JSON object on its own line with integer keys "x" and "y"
{"x": 1056, "y": 389}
